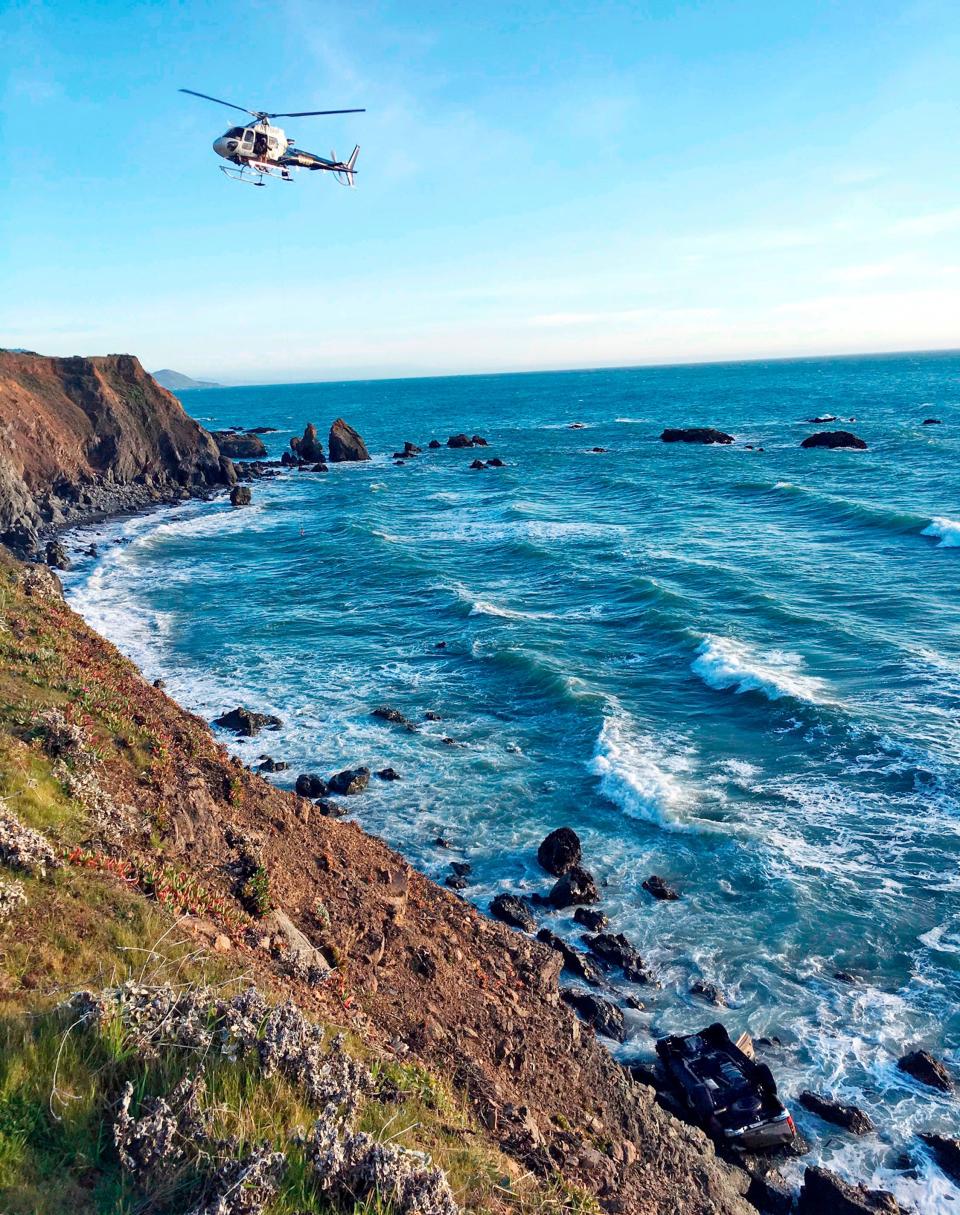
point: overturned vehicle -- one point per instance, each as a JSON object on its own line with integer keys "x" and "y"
{"x": 731, "y": 1095}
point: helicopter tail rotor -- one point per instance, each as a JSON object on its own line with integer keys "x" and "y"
{"x": 345, "y": 176}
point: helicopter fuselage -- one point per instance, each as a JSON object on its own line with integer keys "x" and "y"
{"x": 257, "y": 142}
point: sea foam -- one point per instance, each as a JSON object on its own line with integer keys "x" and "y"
{"x": 947, "y": 531}
{"x": 724, "y": 663}
{"x": 636, "y": 776}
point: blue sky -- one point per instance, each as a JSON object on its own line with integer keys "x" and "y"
{"x": 540, "y": 184}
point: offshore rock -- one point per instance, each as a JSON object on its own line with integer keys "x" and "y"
{"x": 615, "y": 950}
{"x": 240, "y": 495}
{"x": 590, "y": 918}
{"x": 349, "y": 781}
{"x": 576, "y": 886}
{"x": 573, "y": 960}
{"x": 708, "y": 991}
{"x": 386, "y": 713}
{"x": 345, "y": 444}
{"x": 824, "y": 1193}
{"x": 658, "y": 887}
{"x": 560, "y": 851}
{"x": 239, "y": 446}
{"x": 243, "y": 721}
{"x": 834, "y": 438}
{"x": 308, "y": 447}
{"x": 460, "y": 440}
{"x": 946, "y": 1152}
{"x": 603, "y": 1016}
{"x": 309, "y": 784}
{"x": 695, "y": 434}
{"x": 924, "y": 1067}
{"x": 848, "y": 1116}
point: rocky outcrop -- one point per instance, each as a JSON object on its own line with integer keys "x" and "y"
{"x": 929, "y": 1071}
{"x": 239, "y": 446}
{"x": 349, "y": 781}
{"x": 560, "y": 851}
{"x": 946, "y": 1152}
{"x": 242, "y": 721}
{"x": 81, "y": 437}
{"x": 515, "y": 911}
{"x": 848, "y": 1116}
{"x": 308, "y": 447}
{"x": 834, "y": 438}
{"x": 824, "y": 1193}
{"x": 695, "y": 434}
{"x": 241, "y": 495}
{"x": 603, "y": 1016}
{"x": 660, "y": 888}
{"x": 576, "y": 886}
{"x": 345, "y": 444}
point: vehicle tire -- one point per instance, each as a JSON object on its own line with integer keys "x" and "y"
{"x": 763, "y": 1078}
{"x": 701, "y": 1102}
{"x": 716, "y": 1034}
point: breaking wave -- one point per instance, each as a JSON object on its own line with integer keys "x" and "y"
{"x": 724, "y": 663}
{"x": 636, "y": 776}
{"x": 944, "y": 529}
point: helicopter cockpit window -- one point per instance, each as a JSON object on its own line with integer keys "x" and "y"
{"x": 235, "y": 133}
{"x": 247, "y": 136}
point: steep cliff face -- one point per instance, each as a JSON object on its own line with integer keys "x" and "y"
{"x": 80, "y": 436}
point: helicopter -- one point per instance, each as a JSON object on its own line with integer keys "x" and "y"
{"x": 258, "y": 150}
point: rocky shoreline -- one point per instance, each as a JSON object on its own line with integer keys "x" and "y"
{"x": 657, "y": 1156}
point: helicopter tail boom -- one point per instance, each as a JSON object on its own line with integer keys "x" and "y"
{"x": 345, "y": 175}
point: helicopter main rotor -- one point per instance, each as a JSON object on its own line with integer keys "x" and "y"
{"x": 262, "y": 115}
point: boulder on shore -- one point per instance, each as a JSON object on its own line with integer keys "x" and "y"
{"x": 603, "y": 1016}
{"x": 515, "y": 911}
{"x": 56, "y": 555}
{"x": 591, "y": 919}
{"x": 345, "y": 444}
{"x": 924, "y": 1067}
{"x": 576, "y": 886}
{"x": 560, "y": 851}
{"x": 614, "y": 949}
{"x": 695, "y": 434}
{"x": 311, "y": 785}
{"x": 848, "y": 1116}
{"x": 350, "y": 780}
{"x": 824, "y": 1193}
{"x": 243, "y": 721}
{"x": 834, "y": 439}
{"x": 240, "y": 495}
{"x": 239, "y": 447}
{"x": 574, "y": 960}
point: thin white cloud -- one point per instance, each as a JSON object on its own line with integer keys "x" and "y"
{"x": 935, "y": 223}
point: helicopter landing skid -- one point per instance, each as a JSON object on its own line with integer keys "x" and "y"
{"x": 254, "y": 172}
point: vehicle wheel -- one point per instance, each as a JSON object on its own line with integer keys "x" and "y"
{"x": 715, "y": 1033}
{"x": 763, "y": 1078}
{"x": 701, "y": 1101}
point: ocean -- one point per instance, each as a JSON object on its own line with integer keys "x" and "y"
{"x": 736, "y": 668}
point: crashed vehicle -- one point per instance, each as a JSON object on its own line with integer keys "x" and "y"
{"x": 731, "y": 1095}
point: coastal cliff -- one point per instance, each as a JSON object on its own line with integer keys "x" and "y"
{"x": 153, "y": 871}
{"x": 87, "y": 436}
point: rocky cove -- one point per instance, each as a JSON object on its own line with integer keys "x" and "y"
{"x": 519, "y": 1048}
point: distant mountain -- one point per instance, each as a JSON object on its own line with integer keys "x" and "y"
{"x": 176, "y": 380}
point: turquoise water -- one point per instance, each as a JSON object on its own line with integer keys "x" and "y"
{"x": 737, "y": 669}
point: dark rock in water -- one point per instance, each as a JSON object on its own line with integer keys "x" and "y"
{"x": 560, "y": 851}
{"x": 478, "y": 464}
{"x": 288, "y": 458}
{"x": 308, "y": 447}
{"x": 460, "y": 440}
{"x": 834, "y": 438}
{"x": 657, "y": 886}
{"x": 331, "y": 809}
{"x": 261, "y": 430}
{"x": 708, "y": 991}
{"x": 614, "y": 949}
{"x": 848, "y": 1116}
{"x": 159, "y": 683}
{"x": 770, "y": 1194}
{"x": 827, "y": 417}
{"x": 594, "y": 920}
{"x": 844, "y": 976}
{"x": 441, "y": 645}
{"x": 239, "y": 447}
{"x": 456, "y": 882}
{"x": 92, "y": 551}
{"x": 605, "y": 1017}
{"x": 495, "y": 462}
{"x": 515, "y": 911}
{"x": 432, "y": 714}
{"x": 349, "y": 781}
{"x": 576, "y": 962}
{"x": 600, "y": 451}
{"x": 385, "y": 713}
{"x": 477, "y": 441}
{"x": 345, "y": 444}
{"x": 434, "y": 444}
{"x": 243, "y": 721}
{"x": 321, "y": 467}
{"x": 577, "y": 426}
{"x": 824, "y": 1193}
{"x": 576, "y": 886}
{"x": 932, "y": 422}
{"x": 240, "y": 495}
{"x": 695, "y": 434}
{"x": 388, "y": 774}
{"x": 56, "y": 555}
{"x": 441, "y": 841}
{"x": 924, "y": 1067}
{"x": 461, "y": 868}
{"x": 411, "y": 449}
{"x": 272, "y": 765}
{"x": 311, "y": 785}
{"x": 399, "y": 463}
{"x": 946, "y": 1152}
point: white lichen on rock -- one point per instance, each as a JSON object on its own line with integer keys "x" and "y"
{"x": 12, "y": 896}
{"x": 23, "y": 848}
